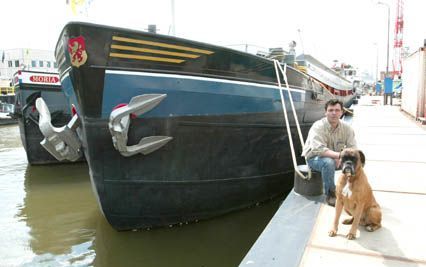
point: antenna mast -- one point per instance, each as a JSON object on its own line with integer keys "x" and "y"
{"x": 173, "y": 28}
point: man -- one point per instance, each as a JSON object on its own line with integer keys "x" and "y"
{"x": 326, "y": 139}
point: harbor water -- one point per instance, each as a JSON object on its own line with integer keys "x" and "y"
{"x": 49, "y": 217}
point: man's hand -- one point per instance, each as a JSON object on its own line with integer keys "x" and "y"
{"x": 334, "y": 155}
{"x": 337, "y": 161}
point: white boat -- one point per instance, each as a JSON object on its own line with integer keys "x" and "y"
{"x": 5, "y": 110}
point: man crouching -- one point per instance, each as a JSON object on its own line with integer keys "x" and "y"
{"x": 326, "y": 138}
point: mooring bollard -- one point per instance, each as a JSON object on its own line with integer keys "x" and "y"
{"x": 307, "y": 187}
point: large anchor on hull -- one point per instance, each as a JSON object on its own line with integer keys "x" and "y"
{"x": 62, "y": 142}
{"x": 119, "y": 123}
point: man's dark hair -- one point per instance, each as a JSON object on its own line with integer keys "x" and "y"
{"x": 333, "y": 102}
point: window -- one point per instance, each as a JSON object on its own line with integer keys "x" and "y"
{"x": 55, "y": 64}
{"x": 10, "y": 63}
{"x": 48, "y": 64}
{"x": 33, "y": 63}
{"x": 40, "y": 63}
{"x": 16, "y": 63}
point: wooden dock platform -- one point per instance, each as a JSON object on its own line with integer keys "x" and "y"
{"x": 395, "y": 146}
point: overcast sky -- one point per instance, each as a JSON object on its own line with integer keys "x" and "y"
{"x": 350, "y": 31}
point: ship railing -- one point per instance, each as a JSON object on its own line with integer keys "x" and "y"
{"x": 278, "y": 69}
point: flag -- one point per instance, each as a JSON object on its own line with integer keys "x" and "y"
{"x": 76, "y": 5}
{"x": 2, "y": 58}
{"x": 79, "y": 6}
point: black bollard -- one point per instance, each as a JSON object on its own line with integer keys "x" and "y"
{"x": 311, "y": 187}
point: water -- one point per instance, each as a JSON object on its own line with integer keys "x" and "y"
{"x": 49, "y": 217}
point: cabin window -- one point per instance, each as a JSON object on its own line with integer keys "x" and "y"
{"x": 16, "y": 63}
{"x": 33, "y": 63}
{"x": 10, "y": 63}
{"x": 40, "y": 63}
{"x": 48, "y": 64}
{"x": 55, "y": 64}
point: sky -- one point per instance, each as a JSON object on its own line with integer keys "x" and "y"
{"x": 350, "y": 31}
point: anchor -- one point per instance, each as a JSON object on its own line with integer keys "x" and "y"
{"x": 62, "y": 142}
{"x": 119, "y": 123}
{"x": 30, "y": 100}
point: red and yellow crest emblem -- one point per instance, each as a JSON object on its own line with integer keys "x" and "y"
{"x": 77, "y": 50}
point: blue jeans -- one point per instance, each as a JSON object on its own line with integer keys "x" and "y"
{"x": 326, "y": 166}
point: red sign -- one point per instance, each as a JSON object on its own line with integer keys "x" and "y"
{"x": 44, "y": 79}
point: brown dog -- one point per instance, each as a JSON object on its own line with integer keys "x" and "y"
{"x": 353, "y": 192}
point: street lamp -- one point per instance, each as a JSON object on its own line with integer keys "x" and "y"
{"x": 387, "y": 47}
{"x": 377, "y": 62}
{"x": 376, "y": 73}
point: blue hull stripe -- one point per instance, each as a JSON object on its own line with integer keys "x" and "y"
{"x": 198, "y": 78}
{"x": 189, "y": 95}
{"x": 192, "y": 96}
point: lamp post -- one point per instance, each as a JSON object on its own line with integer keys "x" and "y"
{"x": 387, "y": 47}
{"x": 386, "y": 80}
{"x": 377, "y": 62}
{"x": 376, "y": 72}
{"x": 301, "y": 42}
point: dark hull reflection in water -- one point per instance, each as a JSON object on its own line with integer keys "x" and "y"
{"x": 61, "y": 213}
{"x": 66, "y": 228}
{"x": 222, "y": 241}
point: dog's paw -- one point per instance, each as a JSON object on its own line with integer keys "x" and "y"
{"x": 372, "y": 227}
{"x": 350, "y": 236}
{"x": 332, "y": 233}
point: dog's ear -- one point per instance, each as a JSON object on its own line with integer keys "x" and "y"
{"x": 362, "y": 157}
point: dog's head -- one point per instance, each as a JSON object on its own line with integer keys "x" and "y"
{"x": 352, "y": 160}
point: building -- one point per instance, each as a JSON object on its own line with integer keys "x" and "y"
{"x": 413, "y": 93}
{"x": 13, "y": 60}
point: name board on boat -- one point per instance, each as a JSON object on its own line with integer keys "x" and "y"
{"x": 44, "y": 79}
{"x": 38, "y": 78}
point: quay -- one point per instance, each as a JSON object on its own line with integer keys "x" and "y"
{"x": 394, "y": 145}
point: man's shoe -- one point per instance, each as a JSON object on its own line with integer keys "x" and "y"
{"x": 331, "y": 200}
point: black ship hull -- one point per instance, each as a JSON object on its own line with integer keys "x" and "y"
{"x": 227, "y": 147}
{"x": 191, "y": 179}
{"x": 28, "y": 89}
